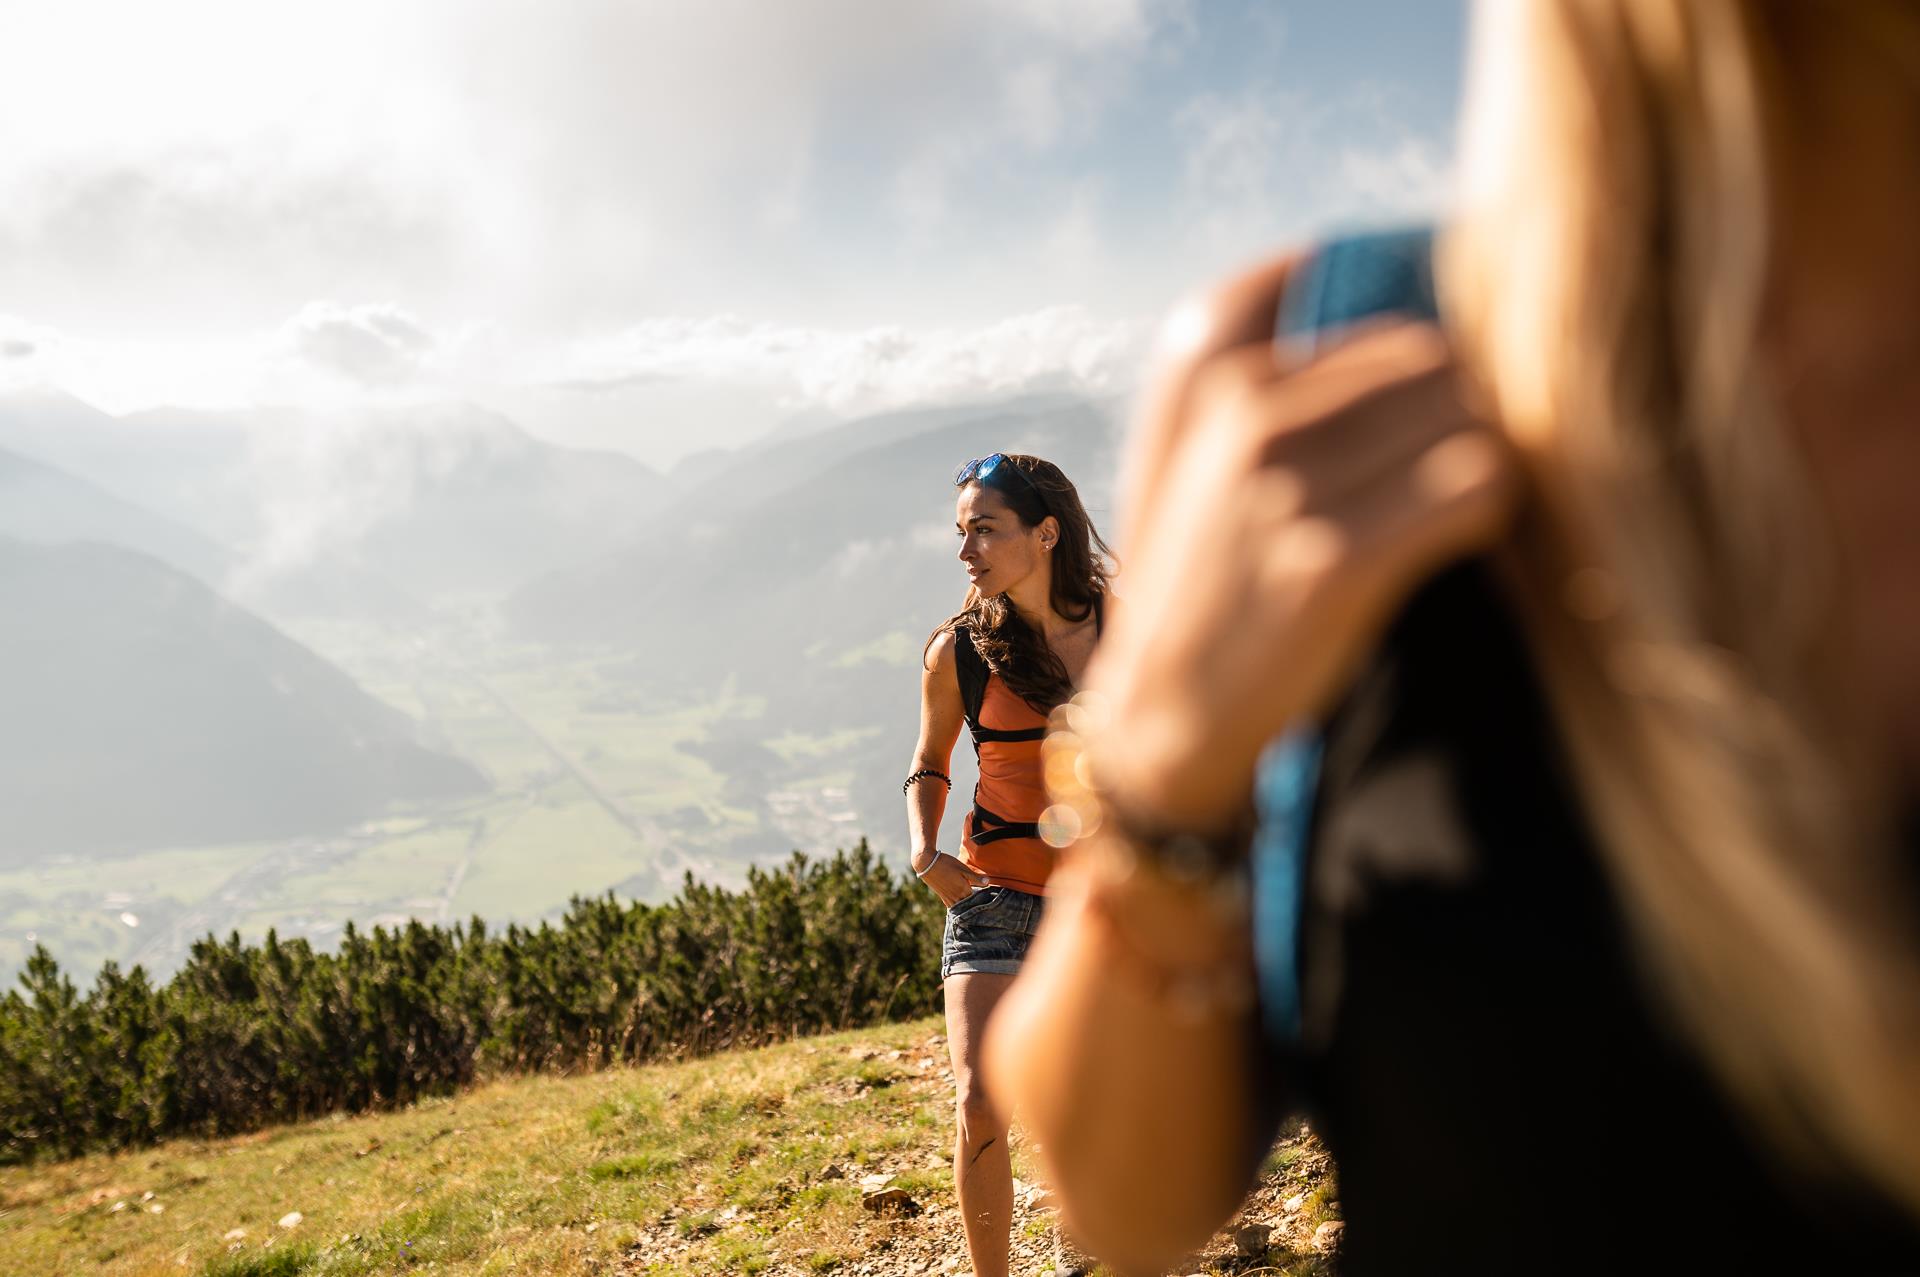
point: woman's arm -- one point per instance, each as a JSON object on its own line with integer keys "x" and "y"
{"x": 941, "y": 714}
{"x": 1142, "y": 1094}
{"x": 1278, "y": 516}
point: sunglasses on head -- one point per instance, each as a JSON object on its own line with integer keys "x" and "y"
{"x": 980, "y": 469}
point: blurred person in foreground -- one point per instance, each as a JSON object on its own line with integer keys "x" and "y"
{"x": 1036, "y": 598}
{"x": 1598, "y": 603}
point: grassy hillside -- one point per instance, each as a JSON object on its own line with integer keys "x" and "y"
{"x": 752, "y": 1162}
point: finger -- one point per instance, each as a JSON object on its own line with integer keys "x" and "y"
{"x": 1384, "y": 355}
{"x": 1239, "y": 312}
{"x": 1384, "y": 432}
{"x": 1456, "y": 499}
{"x": 1365, "y": 431}
{"x": 1214, "y": 442}
{"x": 1391, "y": 337}
{"x": 1337, "y": 423}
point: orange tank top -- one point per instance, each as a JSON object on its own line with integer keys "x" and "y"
{"x": 996, "y": 837}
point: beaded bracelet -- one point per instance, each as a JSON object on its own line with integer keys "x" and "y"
{"x": 922, "y": 774}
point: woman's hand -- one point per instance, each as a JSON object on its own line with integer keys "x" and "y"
{"x": 1280, "y": 516}
{"x": 950, "y": 880}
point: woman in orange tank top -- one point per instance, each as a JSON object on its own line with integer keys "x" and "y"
{"x": 1014, "y": 650}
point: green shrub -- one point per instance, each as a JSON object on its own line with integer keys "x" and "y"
{"x": 245, "y": 1035}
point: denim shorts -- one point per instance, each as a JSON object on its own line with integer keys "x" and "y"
{"x": 988, "y": 932}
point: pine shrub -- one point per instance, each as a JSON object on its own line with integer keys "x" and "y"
{"x": 245, "y": 1035}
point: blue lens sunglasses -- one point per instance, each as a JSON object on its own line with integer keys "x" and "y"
{"x": 983, "y": 468}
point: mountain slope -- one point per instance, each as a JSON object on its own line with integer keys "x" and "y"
{"x": 325, "y": 511}
{"x": 435, "y": 498}
{"x": 818, "y": 548}
{"x": 139, "y": 709}
{"x": 748, "y": 1162}
{"x": 725, "y": 485}
{"x": 193, "y": 472}
{"x": 815, "y": 598}
{"x": 47, "y": 505}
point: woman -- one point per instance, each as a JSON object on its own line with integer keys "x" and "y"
{"x": 1601, "y": 598}
{"x": 1014, "y": 651}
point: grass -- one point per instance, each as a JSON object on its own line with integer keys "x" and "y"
{"x": 416, "y": 861}
{"x": 547, "y": 1175}
{"x": 288, "y": 1261}
{"x": 514, "y": 873}
{"x": 742, "y": 1163}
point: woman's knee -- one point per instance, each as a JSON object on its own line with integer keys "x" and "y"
{"x": 979, "y": 1118}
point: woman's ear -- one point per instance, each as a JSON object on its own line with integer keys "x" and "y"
{"x": 1049, "y": 532}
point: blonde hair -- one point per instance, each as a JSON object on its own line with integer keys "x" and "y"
{"x": 1604, "y": 280}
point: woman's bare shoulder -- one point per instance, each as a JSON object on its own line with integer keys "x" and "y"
{"x": 939, "y": 654}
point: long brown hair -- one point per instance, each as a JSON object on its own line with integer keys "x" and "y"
{"x": 1681, "y": 580}
{"x": 1082, "y": 565}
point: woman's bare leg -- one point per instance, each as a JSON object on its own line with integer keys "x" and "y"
{"x": 982, "y": 1169}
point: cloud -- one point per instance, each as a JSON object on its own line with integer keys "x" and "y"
{"x": 208, "y": 231}
{"x": 1268, "y": 164}
{"x": 371, "y": 345}
{"x": 324, "y": 480}
{"x": 476, "y": 157}
{"x": 881, "y": 184}
{"x": 1090, "y": 23}
{"x": 26, "y": 350}
{"x": 870, "y": 369}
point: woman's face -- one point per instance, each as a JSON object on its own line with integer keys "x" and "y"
{"x": 998, "y": 552}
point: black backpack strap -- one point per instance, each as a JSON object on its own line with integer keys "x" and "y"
{"x": 973, "y": 671}
{"x": 991, "y": 828}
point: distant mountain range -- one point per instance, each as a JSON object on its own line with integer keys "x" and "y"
{"x": 825, "y": 542}
{"x": 139, "y": 709}
{"x": 789, "y": 567}
{"x": 786, "y": 571}
{"x": 320, "y": 515}
{"x": 41, "y": 503}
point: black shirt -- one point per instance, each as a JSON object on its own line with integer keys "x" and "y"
{"x": 1485, "y": 1052}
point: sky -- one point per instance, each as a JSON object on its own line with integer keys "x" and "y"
{"x": 663, "y": 227}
